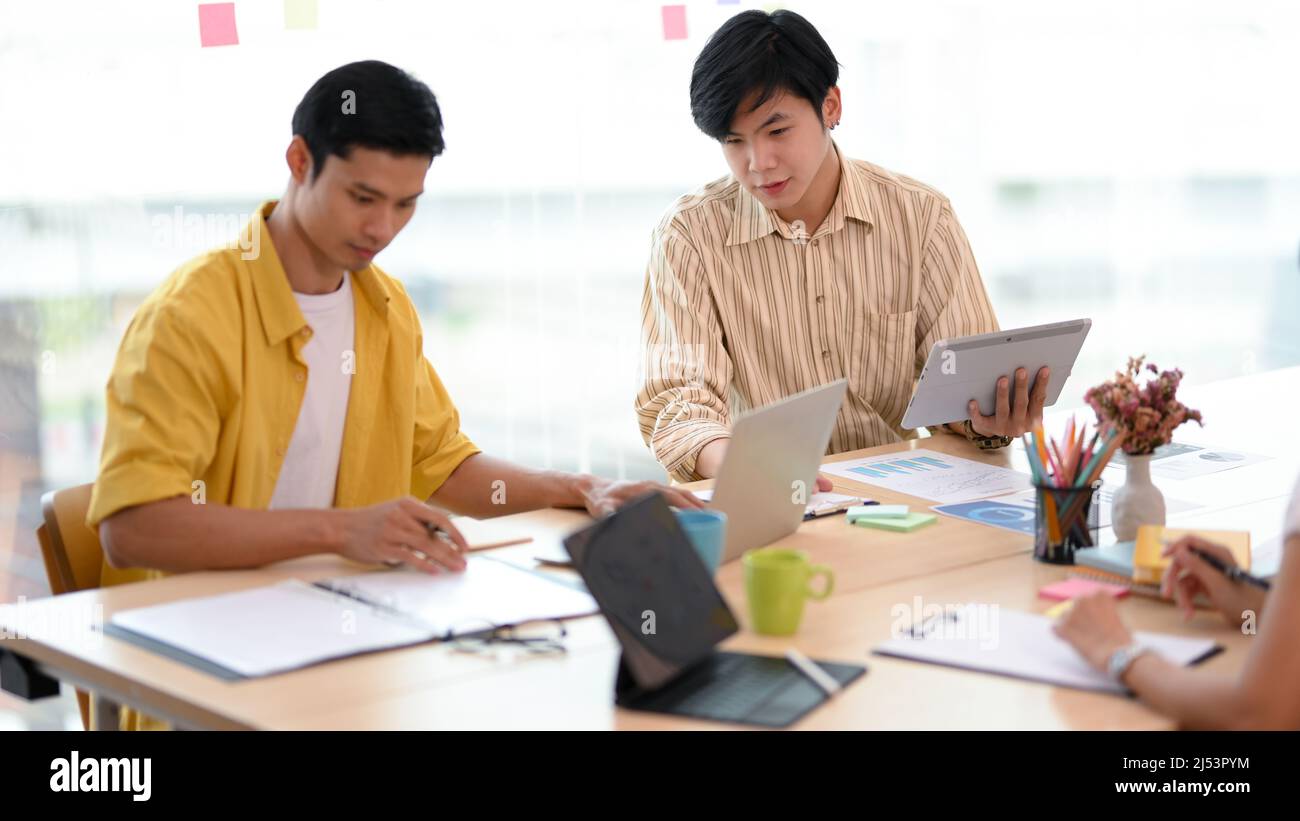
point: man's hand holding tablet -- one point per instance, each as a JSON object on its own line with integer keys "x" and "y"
{"x": 1013, "y": 419}
{"x": 986, "y": 379}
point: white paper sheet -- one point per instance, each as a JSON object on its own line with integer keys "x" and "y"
{"x": 931, "y": 475}
{"x": 292, "y": 624}
{"x": 1022, "y": 645}
{"x": 488, "y": 591}
{"x": 270, "y": 629}
{"x": 1180, "y": 460}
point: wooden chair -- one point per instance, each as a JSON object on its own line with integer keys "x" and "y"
{"x": 72, "y": 553}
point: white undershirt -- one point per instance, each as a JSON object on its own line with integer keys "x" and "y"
{"x": 311, "y": 463}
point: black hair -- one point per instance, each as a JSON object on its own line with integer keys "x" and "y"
{"x": 369, "y": 104}
{"x": 752, "y": 51}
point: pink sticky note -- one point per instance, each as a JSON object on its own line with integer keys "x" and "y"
{"x": 217, "y": 25}
{"x": 674, "y": 22}
{"x": 1074, "y": 588}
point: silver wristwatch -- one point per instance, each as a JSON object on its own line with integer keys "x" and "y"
{"x": 1122, "y": 659}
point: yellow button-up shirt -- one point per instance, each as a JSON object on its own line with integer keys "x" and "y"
{"x": 210, "y": 376}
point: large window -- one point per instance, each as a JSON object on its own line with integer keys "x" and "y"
{"x": 1131, "y": 162}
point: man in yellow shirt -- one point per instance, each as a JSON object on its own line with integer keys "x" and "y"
{"x": 272, "y": 399}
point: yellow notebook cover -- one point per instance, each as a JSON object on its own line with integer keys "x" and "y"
{"x": 1149, "y": 566}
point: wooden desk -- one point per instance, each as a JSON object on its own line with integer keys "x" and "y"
{"x": 430, "y": 686}
{"x": 575, "y": 692}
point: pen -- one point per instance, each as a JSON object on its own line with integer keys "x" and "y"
{"x": 918, "y": 631}
{"x": 835, "y": 507}
{"x": 1233, "y": 572}
{"x": 434, "y": 532}
{"x": 818, "y": 514}
{"x": 814, "y": 673}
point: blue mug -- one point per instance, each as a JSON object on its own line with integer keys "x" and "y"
{"x": 707, "y": 531}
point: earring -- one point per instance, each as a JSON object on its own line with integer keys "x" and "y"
{"x": 837, "y": 122}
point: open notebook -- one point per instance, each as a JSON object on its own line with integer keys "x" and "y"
{"x": 294, "y": 624}
{"x": 1022, "y": 645}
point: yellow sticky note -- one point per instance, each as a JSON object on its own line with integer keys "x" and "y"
{"x": 300, "y": 14}
{"x": 1149, "y": 565}
{"x": 1059, "y": 609}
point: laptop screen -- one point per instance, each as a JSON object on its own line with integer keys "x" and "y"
{"x": 653, "y": 588}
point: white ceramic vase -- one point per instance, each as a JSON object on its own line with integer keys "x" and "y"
{"x": 1138, "y": 502}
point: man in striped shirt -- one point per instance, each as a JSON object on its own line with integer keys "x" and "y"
{"x": 801, "y": 267}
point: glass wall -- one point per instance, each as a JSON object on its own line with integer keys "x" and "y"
{"x": 1130, "y": 162}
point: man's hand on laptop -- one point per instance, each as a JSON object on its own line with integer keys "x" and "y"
{"x": 1013, "y": 419}
{"x": 603, "y": 496}
{"x": 403, "y": 531}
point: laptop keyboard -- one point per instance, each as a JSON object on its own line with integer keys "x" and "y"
{"x": 744, "y": 688}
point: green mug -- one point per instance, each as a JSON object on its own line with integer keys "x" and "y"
{"x": 777, "y": 580}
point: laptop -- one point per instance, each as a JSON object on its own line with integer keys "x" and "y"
{"x": 668, "y": 616}
{"x": 772, "y": 450}
{"x": 770, "y": 471}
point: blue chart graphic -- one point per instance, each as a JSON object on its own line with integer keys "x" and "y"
{"x": 1008, "y": 517}
{"x": 903, "y": 467}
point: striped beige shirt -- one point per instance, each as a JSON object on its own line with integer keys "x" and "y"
{"x": 741, "y": 309}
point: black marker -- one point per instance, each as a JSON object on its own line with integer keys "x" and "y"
{"x": 1233, "y": 572}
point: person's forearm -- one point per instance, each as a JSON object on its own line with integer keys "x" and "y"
{"x": 177, "y": 536}
{"x": 1253, "y": 699}
{"x": 1195, "y": 699}
{"x": 709, "y": 460}
{"x": 483, "y": 486}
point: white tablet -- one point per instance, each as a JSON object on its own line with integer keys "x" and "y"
{"x": 966, "y": 368}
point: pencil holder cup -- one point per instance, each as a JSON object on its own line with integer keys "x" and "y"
{"x": 1065, "y": 520}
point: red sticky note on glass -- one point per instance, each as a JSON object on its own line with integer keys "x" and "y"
{"x": 674, "y": 22}
{"x": 1074, "y": 588}
{"x": 217, "y": 25}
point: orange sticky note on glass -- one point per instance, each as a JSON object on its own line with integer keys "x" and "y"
{"x": 217, "y": 25}
{"x": 1074, "y": 588}
{"x": 674, "y": 22}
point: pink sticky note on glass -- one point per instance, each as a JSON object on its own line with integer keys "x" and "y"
{"x": 1074, "y": 588}
{"x": 674, "y": 22}
{"x": 217, "y": 25}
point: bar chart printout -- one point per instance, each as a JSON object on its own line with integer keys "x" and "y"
{"x": 931, "y": 475}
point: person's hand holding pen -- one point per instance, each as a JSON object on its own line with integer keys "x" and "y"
{"x": 402, "y": 531}
{"x": 1189, "y": 574}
